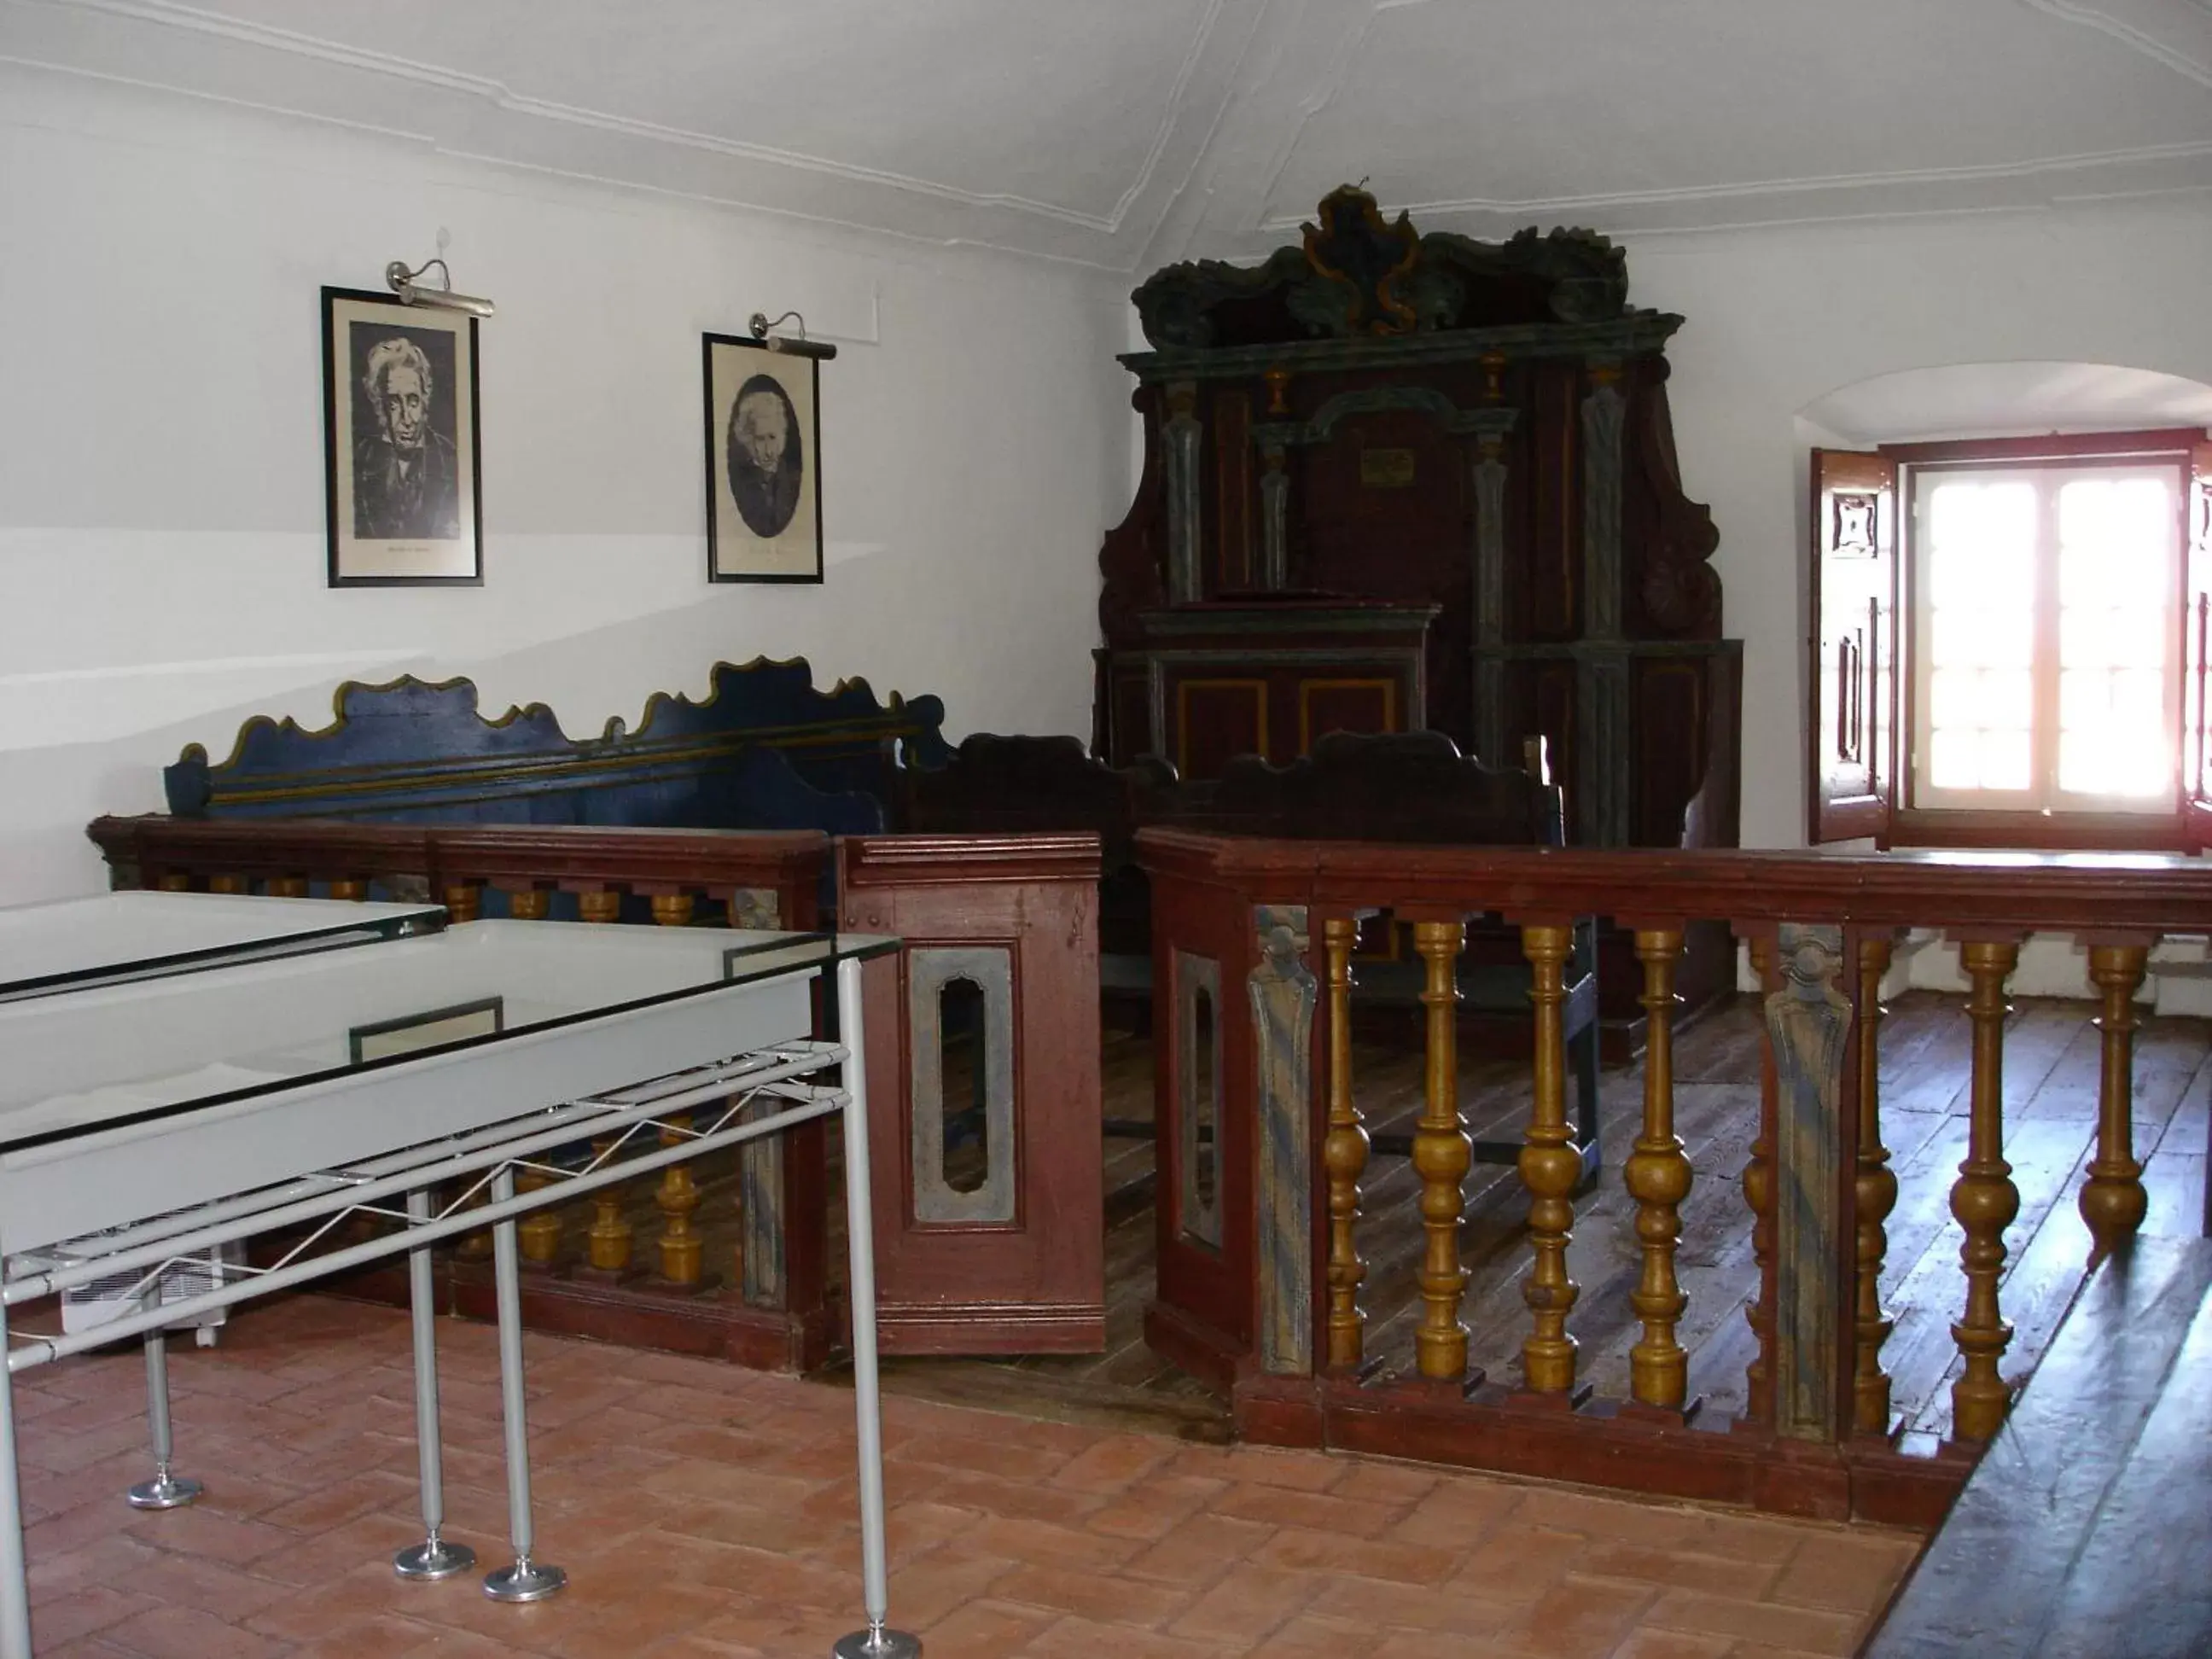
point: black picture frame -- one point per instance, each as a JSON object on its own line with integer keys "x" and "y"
{"x": 422, "y": 527}
{"x": 763, "y": 524}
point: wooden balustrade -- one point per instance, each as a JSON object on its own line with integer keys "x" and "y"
{"x": 1875, "y": 1189}
{"x": 1817, "y": 1434}
{"x": 1343, "y": 1155}
{"x": 1550, "y": 1169}
{"x": 2113, "y": 1202}
{"x": 584, "y": 1277}
{"x": 1983, "y": 1201}
{"x": 1658, "y": 1177}
{"x": 1443, "y": 1154}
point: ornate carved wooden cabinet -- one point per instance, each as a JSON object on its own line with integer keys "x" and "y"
{"x": 1425, "y": 421}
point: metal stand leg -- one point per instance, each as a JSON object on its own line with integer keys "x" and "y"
{"x": 434, "y": 1558}
{"x": 15, "y": 1585}
{"x": 526, "y": 1580}
{"x": 877, "y": 1641}
{"x": 165, "y": 1491}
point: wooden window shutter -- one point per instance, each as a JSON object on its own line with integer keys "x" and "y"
{"x": 1852, "y": 748}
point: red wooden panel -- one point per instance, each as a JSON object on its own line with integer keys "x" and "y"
{"x": 1217, "y": 721}
{"x": 1667, "y": 745}
{"x": 1204, "y": 1315}
{"x": 1349, "y": 704}
{"x": 1035, "y": 1283}
{"x": 1393, "y": 480}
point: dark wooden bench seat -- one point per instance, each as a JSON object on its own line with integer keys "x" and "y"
{"x": 2085, "y": 1531}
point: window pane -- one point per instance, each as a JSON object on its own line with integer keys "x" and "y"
{"x": 2006, "y": 700}
{"x": 2004, "y": 760}
{"x": 1999, "y": 666}
{"x": 1996, "y": 521}
{"x": 2139, "y": 699}
{"x": 2082, "y": 762}
{"x": 1953, "y": 697}
{"x": 2140, "y": 766}
{"x": 2085, "y": 637}
{"x": 2085, "y": 700}
{"x": 1954, "y": 760}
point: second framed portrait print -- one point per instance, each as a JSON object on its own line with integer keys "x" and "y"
{"x": 399, "y": 442}
{"x": 763, "y": 463}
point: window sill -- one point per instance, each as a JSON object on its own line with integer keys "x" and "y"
{"x": 2083, "y": 832}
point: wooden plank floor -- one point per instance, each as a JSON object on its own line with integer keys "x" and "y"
{"x": 2087, "y": 1529}
{"x": 2050, "y": 1096}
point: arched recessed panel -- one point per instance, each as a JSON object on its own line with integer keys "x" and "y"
{"x": 960, "y": 1013}
{"x": 1198, "y": 1096}
{"x": 961, "y": 1038}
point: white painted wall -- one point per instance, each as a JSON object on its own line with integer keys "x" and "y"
{"x": 162, "y": 552}
{"x": 1779, "y": 318}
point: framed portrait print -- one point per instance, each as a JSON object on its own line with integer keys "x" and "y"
{"x": 763, "y": 463}
{"x": 400, "y": 449}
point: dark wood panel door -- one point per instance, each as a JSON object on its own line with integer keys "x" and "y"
{"x": 2196, "y": 658}
{"x": 1852, "y": 694}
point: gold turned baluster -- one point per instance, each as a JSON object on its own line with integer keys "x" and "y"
{"x": 1343, "y": 1155}
{"x": 2112, "y": 1201}
{"x": 173, "y": 881}
{"x": 349, "y": 887}
{"x": 607, "y": 1243}
{"x": 539, "y": 1236}
{"x": 1876, "y": 1191}
{"x": 1759, "y": 1198}
{"x": 1443, "y": 1153}
{"x": 1658, "y": 1178}
{"x": 287, "y": 887}
{"x": 230, "y": 883}
{"x": 681, "y": 1249}
{"x": 1983, "y": 1199}
{"x": 1550, "y": 1168}
{"x": 677, "y": 1197}
{"x": 464, "y": 901}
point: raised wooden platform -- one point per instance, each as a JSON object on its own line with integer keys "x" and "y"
{"x": 2087, "y": 1529}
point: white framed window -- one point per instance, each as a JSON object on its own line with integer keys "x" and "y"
{"x": 2045, "y": 665}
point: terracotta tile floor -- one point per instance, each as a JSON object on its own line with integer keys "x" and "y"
{"x": 704, "y": 1510}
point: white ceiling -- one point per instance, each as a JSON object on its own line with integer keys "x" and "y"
{"x": 1125, "y": 133}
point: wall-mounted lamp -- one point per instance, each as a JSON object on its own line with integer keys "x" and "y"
{"x": 801, "y": 347}
{"x": 403, "y": 281}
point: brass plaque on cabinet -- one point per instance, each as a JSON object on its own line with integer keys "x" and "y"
{"x": 1386, "y": 469}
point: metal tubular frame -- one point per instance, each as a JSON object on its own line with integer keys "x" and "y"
{"x": 483, "y": 1161}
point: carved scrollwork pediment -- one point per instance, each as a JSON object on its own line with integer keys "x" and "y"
{"x": 1358, "y": 274}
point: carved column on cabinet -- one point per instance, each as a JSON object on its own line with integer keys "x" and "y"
{"x": 1274, "y": 518}
{"x": 1601, "y": 780}
{"x": 1490, "y": 427}
{"x": 1183, "y": 431}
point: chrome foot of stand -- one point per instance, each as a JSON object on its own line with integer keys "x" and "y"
{"x": 432, "y": 1560}
{"x": 526, "y": 1581}
{"x": 164, "y": 1491}
{"x": 877, "y": 1642}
